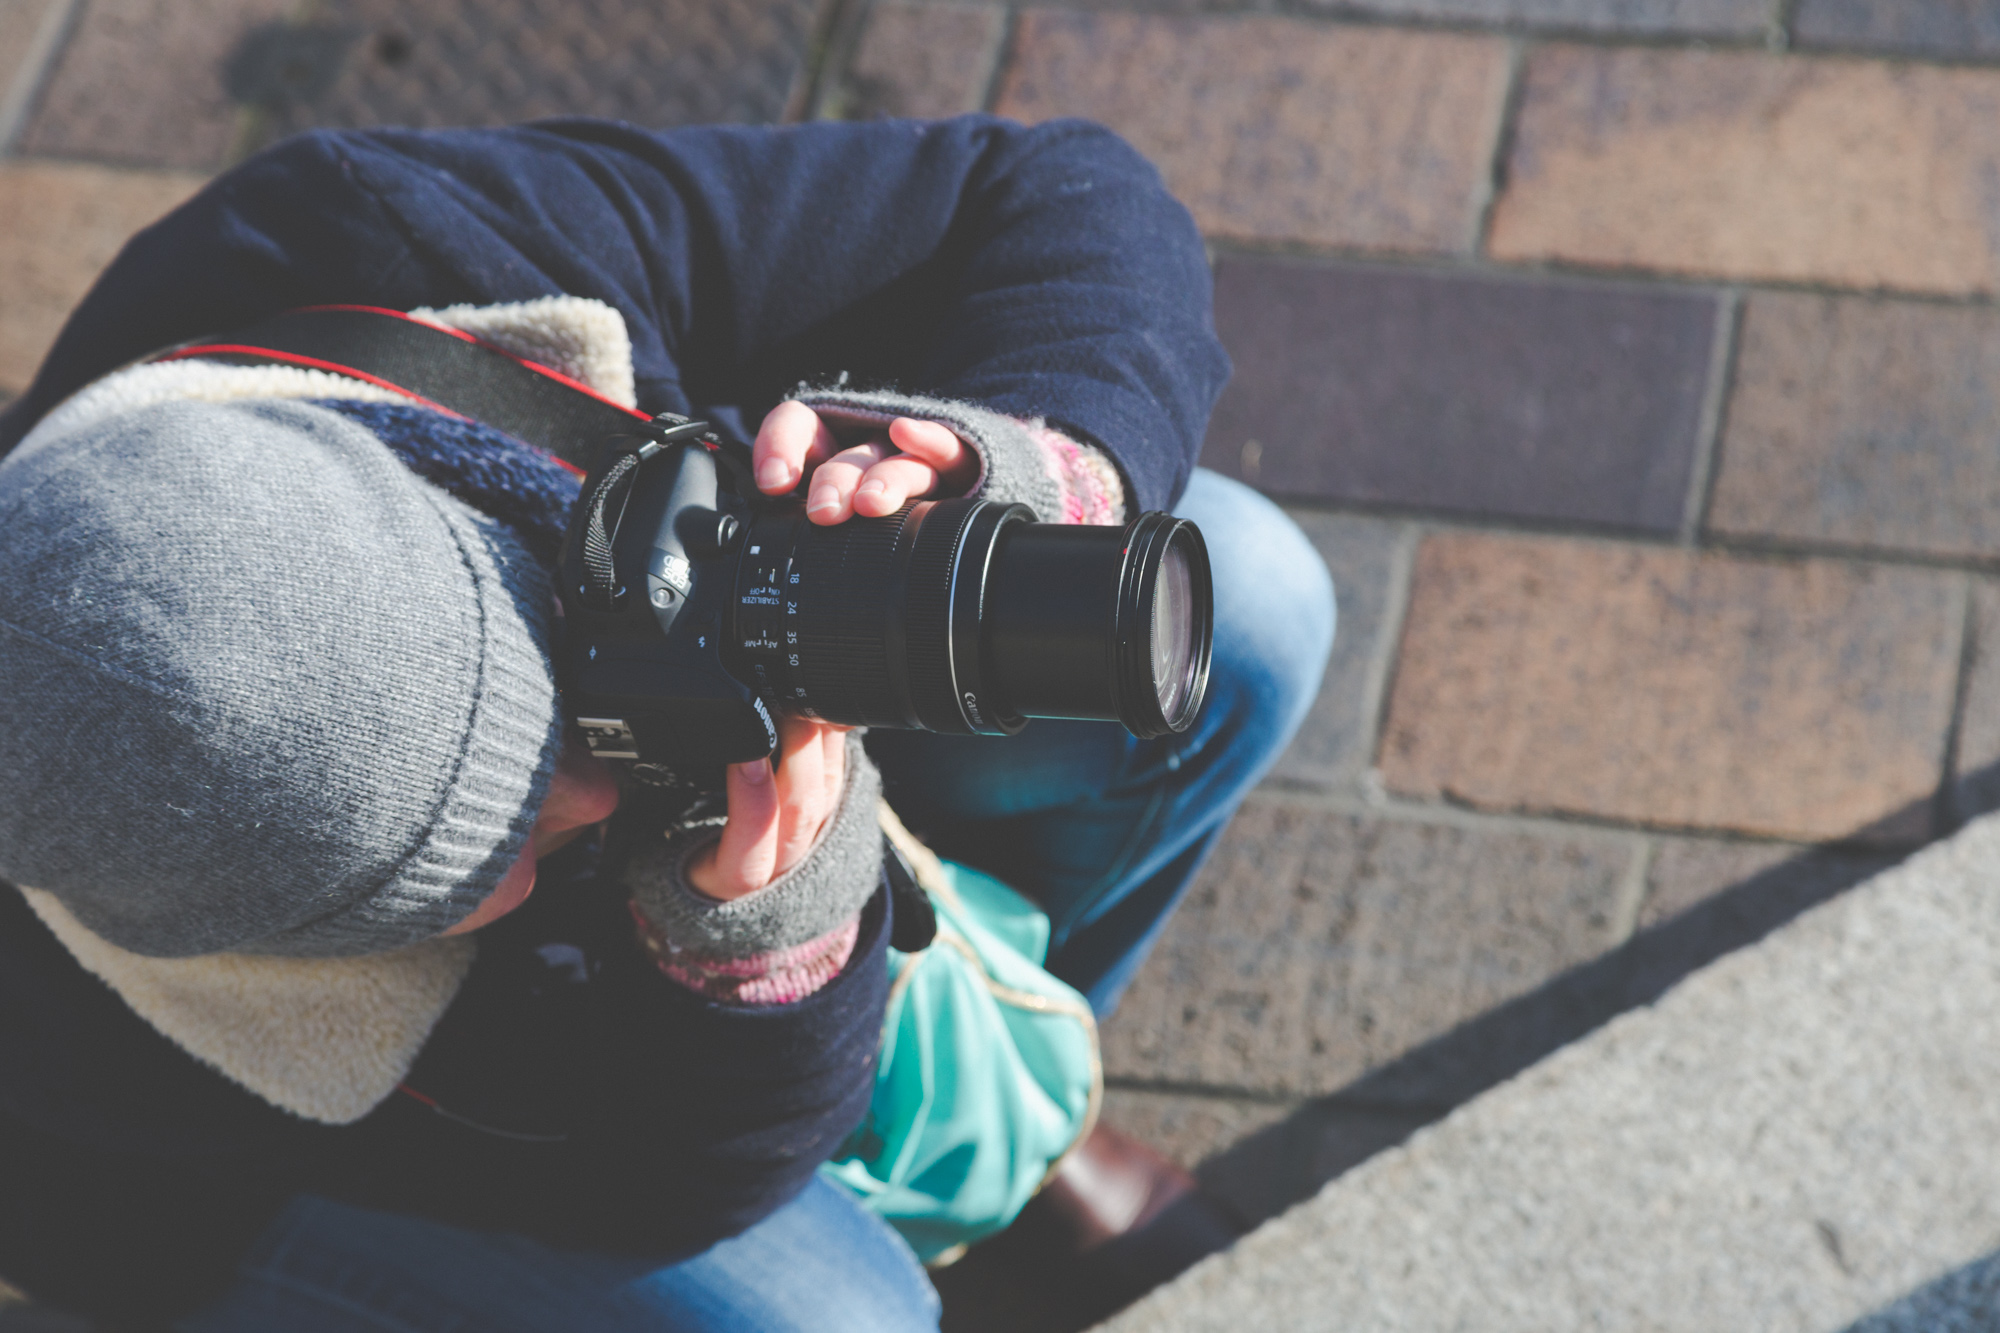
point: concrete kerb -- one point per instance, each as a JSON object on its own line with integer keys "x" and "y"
{"x": 1796, "y": 1137}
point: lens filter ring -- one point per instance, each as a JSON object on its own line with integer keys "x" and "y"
{"x": 981, "y": 709}
{"x": 1147, "y": 704}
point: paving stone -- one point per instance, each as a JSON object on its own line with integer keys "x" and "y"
{"x": 60, "y": 224}
{"x": 1275, "y": 1166}
{"x": 1278, "y": 129}
{"x": 141, "y": 81}
{"x": 1318, "y": 946}
{"x": 924, "y": 60}
{"x": 1538, "y": 400}
{"x": 1688, "y": 873}
{"x": 1738, "y": 18}
{"x": 1864, "y": 423}
{"x": 1852, "y": 173}
{"x": 1923, "y": 27}
{"x": 1976, "y": 779}
{"x": 493, "y": 62}
{"x": 1337, "y": 743}
{"x": 1793, "y": 699}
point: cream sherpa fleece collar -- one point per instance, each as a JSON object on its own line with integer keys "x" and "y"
{"x": 327, "y": 1039}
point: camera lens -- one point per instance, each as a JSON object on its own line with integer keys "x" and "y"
{"x": 963, "y": 616}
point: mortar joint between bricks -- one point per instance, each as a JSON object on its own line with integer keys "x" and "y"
{"x": 1589, "y": 276}
{"x": 1784, "y": 18}
{"x": 1505, "y": 118}
{"x": 38, "y": 61}
{"x": 1003, "y": 57}
{"x": 1632, "y": 890}
{"x": 830, "y": 48}
{"x": 1379, "y": 681}
{"x": 1705, "y": 465}
{"x": 1946, "y": 814}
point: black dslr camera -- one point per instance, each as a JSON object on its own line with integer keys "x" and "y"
{"x": 695, "y": 609}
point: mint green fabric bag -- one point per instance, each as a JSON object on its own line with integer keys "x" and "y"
{"x": 989, "y": 1072}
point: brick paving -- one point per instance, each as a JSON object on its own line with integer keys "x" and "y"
{"x": 1629, "y": 361}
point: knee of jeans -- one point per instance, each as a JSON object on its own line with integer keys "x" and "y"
{"x": 1275, "y": 611}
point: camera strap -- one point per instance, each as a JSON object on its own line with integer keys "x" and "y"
{"x": 441, "y": 368}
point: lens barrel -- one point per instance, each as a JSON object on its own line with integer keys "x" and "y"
{"x": 968, "y": 617}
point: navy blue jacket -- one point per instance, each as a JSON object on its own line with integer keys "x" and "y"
{"x": 1039, "y": 272}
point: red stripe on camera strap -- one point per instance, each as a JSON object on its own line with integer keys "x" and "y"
{"x": 444, "y": 369}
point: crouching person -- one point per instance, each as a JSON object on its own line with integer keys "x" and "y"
{"x": 315, "y": 1012}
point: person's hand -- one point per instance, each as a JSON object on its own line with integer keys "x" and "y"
{"x": 774, "y": 817}
{"x": 911, "y": 459}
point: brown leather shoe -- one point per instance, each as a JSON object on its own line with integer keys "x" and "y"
{"x": 1129, "y": 1218}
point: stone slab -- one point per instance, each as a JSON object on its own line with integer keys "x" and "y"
{"x": 1863, "y": 423}
{"x": 1793, "y": 1140}
{"x": 1730, "y": 163}
{"x": 1716, "y": 18}
{"x": 1688, "y": 873}
{"x": 60, "y": 224}
{"x": 1276, "y": 129}
{"x": 495, "y": 62}
{"x": 1556, "y": 401}
{"x": 1803, "y": 699}
{"x": 1369, "y": 559}
{"x": 1952, "y": 28}
{"x": 142, "y": 82}
{"x": 924, "y": 60}
{"x": 1270, "y": 1160}
{"x": 1318, "y": 946}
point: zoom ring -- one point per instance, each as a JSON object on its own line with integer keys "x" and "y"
{"x": 844, "y": 593}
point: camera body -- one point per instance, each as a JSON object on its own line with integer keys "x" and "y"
{"x": 696, "y": 610}
{"x": 642, "y": 666}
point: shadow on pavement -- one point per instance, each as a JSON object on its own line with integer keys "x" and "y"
{"x": 993, "y": 1291}
{"x": 1965, "y": 1300}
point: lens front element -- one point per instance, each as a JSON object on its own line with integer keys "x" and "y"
{"x": 1175, "y": 650}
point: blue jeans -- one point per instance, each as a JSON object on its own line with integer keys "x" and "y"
{"x": 1105, "y": 831}
{"x": 818, "y": 1265}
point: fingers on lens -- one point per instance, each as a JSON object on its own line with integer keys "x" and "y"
{"x": 831, "y": 497}
{"x": 792, "y": 439}
{"x": 889, "y": 483}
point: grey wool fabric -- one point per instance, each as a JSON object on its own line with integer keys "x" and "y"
{"x": 1012, "y": 462}
{"x": 266, "y": 690}
{"x": 824, "y": 891}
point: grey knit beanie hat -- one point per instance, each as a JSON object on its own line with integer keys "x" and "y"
{"x": 262, "y": 689}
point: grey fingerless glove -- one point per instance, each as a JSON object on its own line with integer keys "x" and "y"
{"x": 819, "y": 897}
{"x": 1011, "y": 466}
